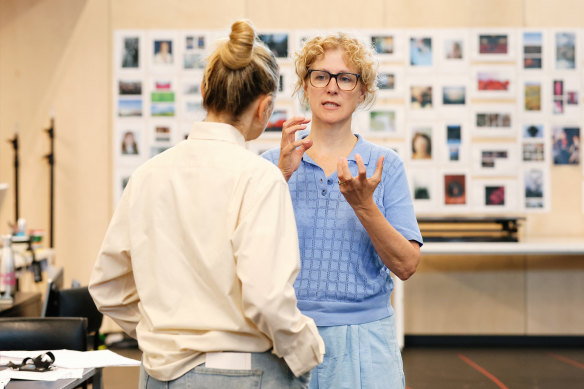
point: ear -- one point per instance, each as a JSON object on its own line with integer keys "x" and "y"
{"x": 264, "y": 108}
{"x": 203, "y": 90}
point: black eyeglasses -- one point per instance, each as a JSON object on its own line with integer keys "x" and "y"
{"x": 40, "y": 363}
{"x": 321, "y": 78}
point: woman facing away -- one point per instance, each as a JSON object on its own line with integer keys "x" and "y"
{"x": 355, "y": 218}
{"x": 200, "y": 257}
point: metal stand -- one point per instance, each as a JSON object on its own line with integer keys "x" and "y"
{"x": 14, "y": 142}
{"x": 51, "y": 158}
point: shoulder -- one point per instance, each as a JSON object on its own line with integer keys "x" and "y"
{"x": 272, "y": 155}
{"x": 391, "y": 160}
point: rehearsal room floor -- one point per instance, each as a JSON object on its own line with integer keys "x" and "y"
{"x": 451, "y": 368}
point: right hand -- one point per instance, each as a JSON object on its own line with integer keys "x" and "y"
{"x": 292, "y": 150}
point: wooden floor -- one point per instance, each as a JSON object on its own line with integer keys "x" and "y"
{"x": 449, "y": 368}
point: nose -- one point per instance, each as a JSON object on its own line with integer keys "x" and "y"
{"x": 333, "y": 86}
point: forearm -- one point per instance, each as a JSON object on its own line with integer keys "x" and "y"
{"x": 397, "y": 253}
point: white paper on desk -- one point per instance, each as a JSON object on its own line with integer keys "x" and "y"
{"x": 75, "y": 359}
{"x": 51, "y": 375}
{"x": 98, "y": 358}
{"x": 3, "y": 382}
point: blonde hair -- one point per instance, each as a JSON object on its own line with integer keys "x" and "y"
{"x": 238, "y": 71}
{"x": 356, "y": 54}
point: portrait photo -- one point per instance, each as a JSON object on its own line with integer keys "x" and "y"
{"x": 454, "y": 189}
{"x": 163, "y": 52}
{"x": 566, "y": 145}
{"x": 421, "y": 139}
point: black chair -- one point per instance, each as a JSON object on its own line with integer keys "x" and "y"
{"x": 43, "y": 333}
{"x": 76, "y": 302}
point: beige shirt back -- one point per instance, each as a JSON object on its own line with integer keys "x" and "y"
{"x": 201, "y": 255}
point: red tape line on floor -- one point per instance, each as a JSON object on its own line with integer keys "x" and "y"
{"x": 482, "y": 370}
{"x": 567, "y": 360}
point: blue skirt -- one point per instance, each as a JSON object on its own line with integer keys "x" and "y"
{"x": 360, "y": 356}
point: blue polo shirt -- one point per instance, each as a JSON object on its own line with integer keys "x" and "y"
{"x": 342, "y": 280}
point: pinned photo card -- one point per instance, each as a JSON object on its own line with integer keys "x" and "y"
{"x": 162, "y": 131}
{"x": 493, "y": 82}
{"x": 129, "y": 51}
{"x": 286, "y": 83}
{"x": 191, "y": 85}
{"x": 388, "y": 45}
{"x": 130, "y": 107}
{"x": 398, "y": 147}
{"x": 453, "y": 50}
{"x": 422, "y": 139}
{"x": 299, "y": 37}
{"x": 534, "y": 142}
{"x": 494, "y": 121}
{"x": 162, "y": 48}
{"x": 453, "y": 142}
{"x": 495, "y": 195}
{"x": 421, "y": 51}
{"x": 565, "y": 49}
{"x": 495, "y": 159}
{"x": 121, "y": 178}
{"x": 423, "y": 96}
{"x": 565, "y": 96}
{"x": 163, "y": 97}
{"x": 278, "y": 42}
{"x": 495, "y": 44}
{"x": 382, "y": 121}
{"x": 535, "y": 188}
{"x": 566, "y": 144}
{"x": 390, "y": 81}
{"x": 455, "y": 193}
{"x": 533, "y": 94}
{"x": 280, "y": 114}
{"x": 534, "y": 50}
{"x": 129, "y": 143}
{"x": 193, "y": 47}
{"x": 453, "y": 95}
{"x": 424, "y": 189}
{"x": 129, "y": 87}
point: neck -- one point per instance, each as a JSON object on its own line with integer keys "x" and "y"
{"x": 331, "y": 136}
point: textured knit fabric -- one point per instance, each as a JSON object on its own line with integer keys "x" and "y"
{"x": 342, "y": 279}
{"x": 201, "y": 255}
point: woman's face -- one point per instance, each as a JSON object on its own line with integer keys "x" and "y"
{"x": 331, "y": 104}
{"x": 420, "y": 145}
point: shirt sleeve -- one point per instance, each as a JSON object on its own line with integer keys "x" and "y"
{"x": 112, "y": 283}
{"x": 398, "y": 204}
{"x": 266, "y": 249}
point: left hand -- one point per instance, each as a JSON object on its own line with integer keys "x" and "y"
{"x": 358, "y": 191}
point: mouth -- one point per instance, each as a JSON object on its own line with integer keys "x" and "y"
{"x": 330, "y": 104}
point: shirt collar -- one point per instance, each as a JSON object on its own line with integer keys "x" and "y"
{"x": 216, "y": 131}
{"x": 359, "y": 148}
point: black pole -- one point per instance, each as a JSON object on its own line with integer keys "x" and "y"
{"x": 14, "y": 142}
{"x": 51, "y": 158}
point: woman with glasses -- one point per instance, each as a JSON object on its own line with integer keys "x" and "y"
{"x": 200, "y": 257}
{"x": 355, "y": 218}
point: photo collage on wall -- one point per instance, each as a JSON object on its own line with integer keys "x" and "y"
{"x": 480, "y": 116}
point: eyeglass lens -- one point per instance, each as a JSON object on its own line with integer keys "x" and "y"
{"x": 321, "y": 78}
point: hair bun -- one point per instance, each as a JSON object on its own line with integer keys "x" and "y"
{"x": 237, "y": 53}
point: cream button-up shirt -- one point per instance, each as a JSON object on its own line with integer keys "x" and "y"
{"x": 201, "y": 255}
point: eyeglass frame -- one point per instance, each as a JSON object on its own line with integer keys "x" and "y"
{"x": 331, "y": 76}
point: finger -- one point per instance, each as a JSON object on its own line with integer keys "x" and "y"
{"x": 378, "y": 169}
{"x": 300, "y": 145}
{"x": 361, "y": 166}
{"x": 340, "y": 175}
{"x": 346, "y": 171}
{"x": 297, "y": 120}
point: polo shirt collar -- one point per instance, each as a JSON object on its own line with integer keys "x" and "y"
{"x": 216, "y": 131}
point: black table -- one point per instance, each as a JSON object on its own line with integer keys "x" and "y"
{"x": 26, "y": 304}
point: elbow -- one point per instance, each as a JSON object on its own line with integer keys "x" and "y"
{"x": 409, "y": 268}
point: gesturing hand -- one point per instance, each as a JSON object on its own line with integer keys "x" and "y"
{"x": 358, "y": 191}
{"x": 292, "y": 150}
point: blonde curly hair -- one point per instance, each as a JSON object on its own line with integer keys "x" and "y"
{"x": 356, "y": 54}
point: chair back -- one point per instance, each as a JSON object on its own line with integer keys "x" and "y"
{"x": 43, "y": 333}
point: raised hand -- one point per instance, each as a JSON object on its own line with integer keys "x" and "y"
{"x": 292, "y": 150}
{"x": 358, "y": 190}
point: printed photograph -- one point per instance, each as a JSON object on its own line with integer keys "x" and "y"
{"x": 533, "y": 131}
{"x": 162, "y": 133}
{"x": 493, "y": 119}
{"x": 532, "y": 96}
{"x": 276, "y": 122}
{"x": 453, "y": 95}
{"x": 454, "y": 189}
{"x": 495, "y": 195}
{"x": 566, "y": 145}
{"x": 129, "y": 87}
{"x": 386, "y": 81}
{"x": 421, "y": 143}
{"x": 421, "y": 51}
{"x": 163, "y": 54}
{"x": 533, "y": 181}
{"x": 162, "y": 103}
{"x": 383, "y": 44}
{"x": 421, "y": 97}
{"x": 129, "y": 144}
{"x": 453, "y": 49}
{"x": 131, "y": 53}
{"x": 493, "y": 44}
{"x": 493, "y": 81}
{"x": 532, "y": 50}
{"x": 383, "y": 122}
{"x": 130, "y": 108}
{"x": 533, "y": 152}
{"x": 278, "y": 43}
{"x": 453, "y": 141}
{"x": 565, "y": 50}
